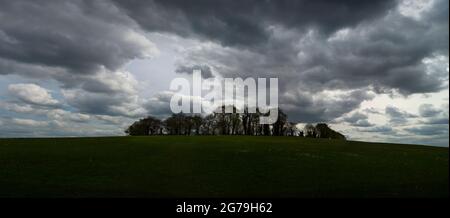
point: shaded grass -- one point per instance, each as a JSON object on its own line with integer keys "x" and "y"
{"x": 219, "y": 166}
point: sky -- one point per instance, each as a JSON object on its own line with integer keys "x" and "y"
{"x": 374, "y": 70}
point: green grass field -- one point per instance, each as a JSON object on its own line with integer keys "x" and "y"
{"x": 213, "y": 166}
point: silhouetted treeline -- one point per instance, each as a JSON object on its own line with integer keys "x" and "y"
{"x": 221, "y": 123}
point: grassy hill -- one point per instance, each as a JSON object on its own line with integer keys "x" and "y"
{"x": 215, "y": 166}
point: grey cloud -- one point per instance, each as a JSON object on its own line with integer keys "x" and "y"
{"x": 378, "y": 129}
{"x": 33, "y": 94}
{"x": 67, "y": 116}
{"x": 31, "y": 120}
{"x": 433, "y": 115}
{"x": 28, "y": 70}
{"x": 358, "y": 119}
{"x": 428, "y": 130}
{"x": 205, "y": 70}
{"x": 81, "y": 36}
{"x": 81, "y": 44}
{"x": 355, "y": 117}
{"x": 34, "y": 128}
{"x": 397, "y": 116}
{"x": 308, "y": 107}
{"x": 436, "y": 121}
{"x": 103, "y": 103}
{"x": 427, "y": 110}
{"x": 372, "y": 111}
{"x": 363, "y": 123}
{"x": 386, "y": 54}
{"x": 244, "y": 23}
{"x": 159, "y": 105}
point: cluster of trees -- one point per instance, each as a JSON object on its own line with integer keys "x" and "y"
{"x": 322, "y": 130}
{"x": 221, "y": 123}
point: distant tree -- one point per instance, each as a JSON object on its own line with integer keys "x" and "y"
{"x": 137, "y": 128}
{"x": 310, "y": 131}
{"x": 235, "y": 123}
{"x": 227, "y": 123}
{"x": 171, "y": 126}
{"x": 250, "y": 122}
{"x": 291, "y": 129}
{"x": 176, "y": 124}
{"x": 265, "y": 129}
{"x": 197, "y": 122}
{"x": 209, "y": 125}
{"x": 146, "y": 126}
{"x": 187, "y": 125}
{"x": 255, "y": 128}
{"x": 324, "y": 131}
{"x": 301, "y": 134}
{"x": 245, "y": 121}
{"x": 280, "y": 126}
{"x": 154, "y": 125}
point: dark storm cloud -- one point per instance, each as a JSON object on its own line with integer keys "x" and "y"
{"x": 244, "y": 23}
{"x": 81, "y": 44}
{"x": 374, "y": 54}
{"x": 386, "y": 54}
{"x": 79, "y": 37}
{"x": 383, "y": 48}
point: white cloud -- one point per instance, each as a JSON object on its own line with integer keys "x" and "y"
{"x": 67, "y": 116}
{"x": 33, "y": 94}
{"x": 29, "y": 122}
{"x": 20, "y": 108}
{"x": 414, "y": 8}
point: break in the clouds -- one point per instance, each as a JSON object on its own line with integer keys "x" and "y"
{"x": 376, "y": 70}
